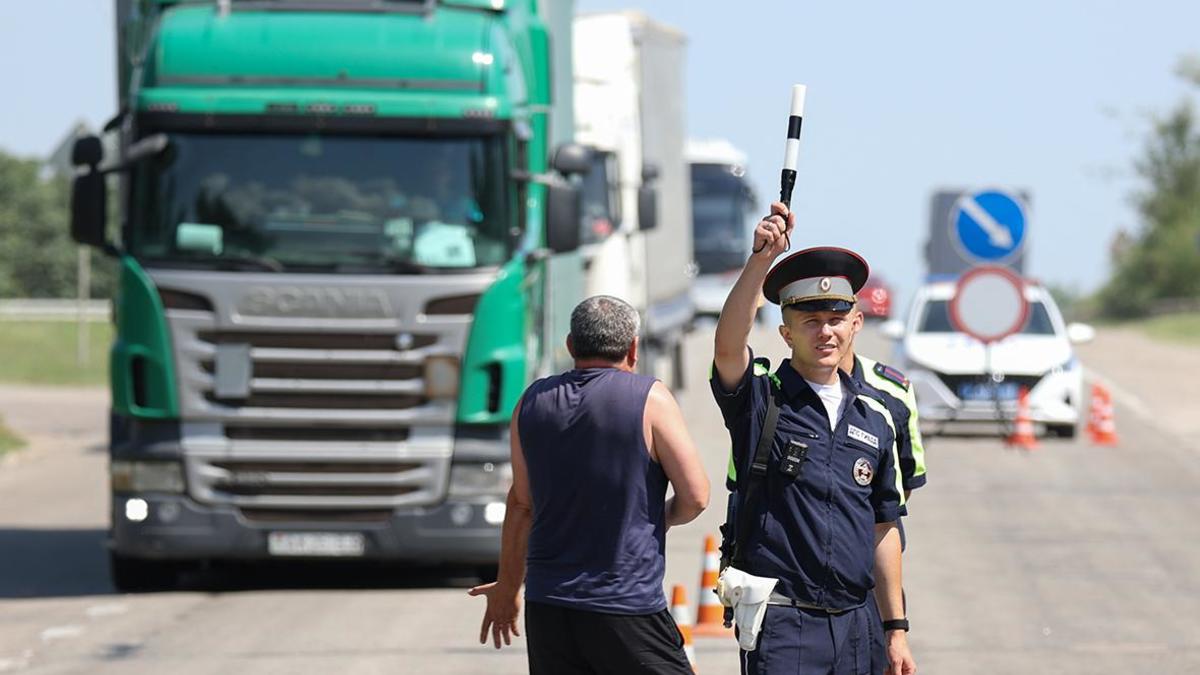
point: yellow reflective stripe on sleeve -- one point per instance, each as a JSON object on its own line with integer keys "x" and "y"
{"x": 887, "y": 417}
{"x": 732, "y": 473}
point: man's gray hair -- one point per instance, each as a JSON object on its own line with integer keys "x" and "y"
{"x": 603, "y": 327}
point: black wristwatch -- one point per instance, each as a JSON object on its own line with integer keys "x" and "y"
{"x": 896, "y": 624}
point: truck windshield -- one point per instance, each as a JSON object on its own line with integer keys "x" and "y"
{"x": 319, "y": 203}
{"x": 936, "y": 319}
{"x": 721, "y": 207}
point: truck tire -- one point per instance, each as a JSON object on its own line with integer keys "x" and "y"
{"x": 487, "y": 573}
{"x": 139, "y": 575}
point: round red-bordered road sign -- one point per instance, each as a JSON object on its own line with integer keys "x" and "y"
{"x": 989, "y": 303}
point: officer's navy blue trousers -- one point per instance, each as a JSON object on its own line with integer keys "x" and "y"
{"x": 811, "y": 642}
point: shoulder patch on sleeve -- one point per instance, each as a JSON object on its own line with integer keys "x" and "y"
{"x": 892, "y": 375}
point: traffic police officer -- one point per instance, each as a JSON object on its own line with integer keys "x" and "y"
{"x": 824, "y": 521}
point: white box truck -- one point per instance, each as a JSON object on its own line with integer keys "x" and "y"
{"x": 629, "y": 107}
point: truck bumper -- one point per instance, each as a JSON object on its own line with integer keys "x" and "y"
{"x": 175, "y": 527}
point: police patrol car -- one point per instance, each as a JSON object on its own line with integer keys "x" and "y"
{"x": 949, "y": 369}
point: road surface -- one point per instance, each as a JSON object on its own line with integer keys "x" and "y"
{"x": 1066, "y": 559}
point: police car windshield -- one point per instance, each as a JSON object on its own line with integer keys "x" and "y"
{"x": 935, "y": 318}
{"x": 316, "y": 203}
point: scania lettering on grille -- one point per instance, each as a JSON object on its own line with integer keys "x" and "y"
{"x": 295, "y": 301}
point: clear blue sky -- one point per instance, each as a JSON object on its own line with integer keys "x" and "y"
{"x": 903, "y": 98}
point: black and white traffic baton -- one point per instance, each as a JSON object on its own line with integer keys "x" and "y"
{"x": 791, "y": 154}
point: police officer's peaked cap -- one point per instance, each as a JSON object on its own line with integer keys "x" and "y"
{"x": 817, "y": 279}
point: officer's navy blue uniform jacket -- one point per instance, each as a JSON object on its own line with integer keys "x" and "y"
{"x": 815, "y": 532}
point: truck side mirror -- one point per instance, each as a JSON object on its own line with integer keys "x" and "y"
{"x": 647, "y": 198}
{"x": 647, "y": 206}
{"x": 572, "y": 159}
{"x": 564, "y": 210}
{"x": 89, "y": 196}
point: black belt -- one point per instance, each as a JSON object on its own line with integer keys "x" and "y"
{"x": 777, "y": 599}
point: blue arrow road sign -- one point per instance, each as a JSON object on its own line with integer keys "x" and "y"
{"x": 988, "y": 226}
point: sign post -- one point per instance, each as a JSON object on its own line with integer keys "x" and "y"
{"x": 989, "y": 305}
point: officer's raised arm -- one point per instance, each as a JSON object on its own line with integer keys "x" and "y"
{"x": 731, "y": 353}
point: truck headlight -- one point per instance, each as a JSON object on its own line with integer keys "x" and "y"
{"x": 485, "y": 479}
{"x": 130, "y": 476}
{"x": 441, "y": 377}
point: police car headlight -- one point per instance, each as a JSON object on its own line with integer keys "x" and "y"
{"x": 441, "y": 377}
{"x": 127, "y": 476}
{"x": 482, "y": 479}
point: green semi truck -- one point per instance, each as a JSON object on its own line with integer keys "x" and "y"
{"x": 344, "y": 251}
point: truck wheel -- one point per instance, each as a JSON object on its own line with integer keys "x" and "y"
{"x": 487, "y": 573}
{"x": 138, "y": 575}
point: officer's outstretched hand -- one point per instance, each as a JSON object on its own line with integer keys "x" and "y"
{"x": 500, "y": 617}
{"x": 772, "y": 235}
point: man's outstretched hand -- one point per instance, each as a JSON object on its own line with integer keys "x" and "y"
{"x": 500, "y": 617}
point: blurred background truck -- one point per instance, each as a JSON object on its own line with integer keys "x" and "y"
{"x": 724, "y": 213}
{"x": 339, "y": 268}
{"x": 629, "y": 109}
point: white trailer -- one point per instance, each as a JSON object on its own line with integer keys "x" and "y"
{"x": 629, "y": 107}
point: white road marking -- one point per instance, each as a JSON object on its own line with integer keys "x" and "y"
{"x": 998, "y": 234}
{"x": 61, "y": 632}
{"x": 111, "y": 609}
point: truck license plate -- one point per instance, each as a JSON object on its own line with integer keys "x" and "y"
{"x": 316, "y": 544}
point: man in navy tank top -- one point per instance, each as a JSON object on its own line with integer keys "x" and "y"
{"x": 593, "y": 450}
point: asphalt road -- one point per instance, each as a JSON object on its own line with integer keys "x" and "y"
{"x": 1065, "y": 559}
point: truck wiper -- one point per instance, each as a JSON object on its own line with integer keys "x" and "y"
{"x": 254, "y": 263}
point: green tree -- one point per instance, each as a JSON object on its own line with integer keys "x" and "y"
{"x": 37, "y": 255}
{"x": 1163, "y": 260}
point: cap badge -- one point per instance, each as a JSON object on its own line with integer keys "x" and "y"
{"x": 825, "y": 285}
{"x": 863, "y": 471}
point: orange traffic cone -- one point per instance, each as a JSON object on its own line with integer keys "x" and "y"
{"x": 683, "y": 618}
{"x": 1023, "y": 435}
{"x": 710, "y": 617}
{"x": 1101, "y": 425}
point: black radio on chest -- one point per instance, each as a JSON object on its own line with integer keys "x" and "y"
{"x": 794, "y": 455}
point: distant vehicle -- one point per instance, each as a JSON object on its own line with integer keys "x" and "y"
{"x": 724, "y": 212}
{"x": 628, "y": 85}
{"x": 875, "y": 299}
{"x": 949, "y": 371}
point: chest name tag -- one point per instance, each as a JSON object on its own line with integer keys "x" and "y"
{"x": 860, "y": 435}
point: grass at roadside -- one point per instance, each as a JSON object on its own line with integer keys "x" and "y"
{"x": 9, "y": 440}
{"x": 44, "y": 352}
{"x": 1180, "y": 328}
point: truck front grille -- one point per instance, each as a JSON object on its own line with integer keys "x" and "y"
{"x": 330, "y": 401}
{"x": 266, "y": 482}
{"x": 316, "y": 434}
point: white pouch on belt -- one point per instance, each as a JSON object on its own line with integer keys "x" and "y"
{"x": 748, "y": 596}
